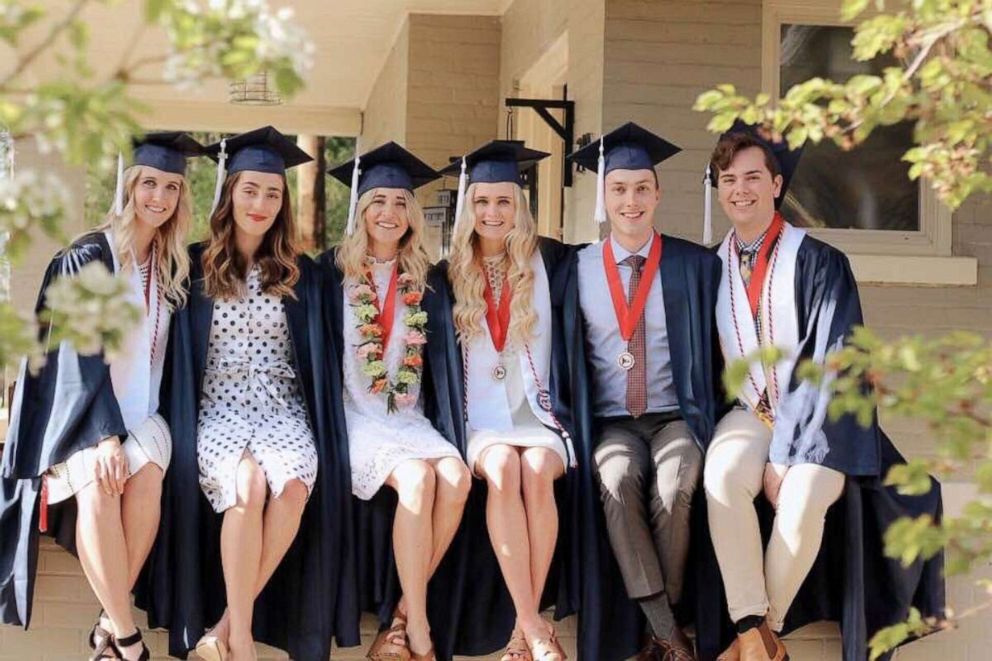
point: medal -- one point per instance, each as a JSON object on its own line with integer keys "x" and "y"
{"x": 499, "y": 372}
{"x": 544, "y": 400}
{"x": 626, "y": 361}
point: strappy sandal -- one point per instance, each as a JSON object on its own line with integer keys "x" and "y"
{"x": 548, "y": 650}
{"x": 101, "y": 641}
{"x": 390, "y": 644}
{"x": 428, "y": 656}
{"x": 128, "y": 641}
{"x": 211, "y": 648}
{"x": 516, "y": 648}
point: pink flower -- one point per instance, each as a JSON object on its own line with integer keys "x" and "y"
{"x": 404, "y": 399}
{"x": 370, "y": 330}
{"x": 360, "y": 291}
{"x": 413, "y": 298}
{"x": 369, "y": 348}
{"x": 415, "y": 338}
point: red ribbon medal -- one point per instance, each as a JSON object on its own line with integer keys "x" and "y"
{"x": 498, "y": 316}
{"x": 757, "y": 281}
{"x": 387, "y": 311}
{"x": 627, "y": 317}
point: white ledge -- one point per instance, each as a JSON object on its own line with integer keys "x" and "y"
{"x": 915, "y": 270}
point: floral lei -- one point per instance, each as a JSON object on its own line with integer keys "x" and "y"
{"x": 370, "y": 349}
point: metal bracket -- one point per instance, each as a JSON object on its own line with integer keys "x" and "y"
{"x": 566, "y": 132}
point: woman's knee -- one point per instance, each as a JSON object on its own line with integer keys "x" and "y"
{"x": 501, "y": 467}
{"x": 539, "y": 468}
{"x": 414, "y": 481}
{"x": 146, "y": 483}
{"x": 454, "y": 480}
{"x": 294, "y": 494}
{"x": 93, "y": 501}
{"x": 252, "y": 487}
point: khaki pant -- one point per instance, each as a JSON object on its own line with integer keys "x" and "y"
{"x": 762, "y": 583}
{"x": 648, "y": 469}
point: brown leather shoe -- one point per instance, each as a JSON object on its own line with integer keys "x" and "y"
{"x": 676, "y": 648}
{"x": 732, "y": 653}
{"x": 761, "y": 644}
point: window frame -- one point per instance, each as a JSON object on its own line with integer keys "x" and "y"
{"x": 933, "y": 239}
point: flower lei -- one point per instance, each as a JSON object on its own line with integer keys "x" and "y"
{"x": 371, "y": 347}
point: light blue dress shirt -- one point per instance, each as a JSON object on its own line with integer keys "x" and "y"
{"x": 603, "y": 340}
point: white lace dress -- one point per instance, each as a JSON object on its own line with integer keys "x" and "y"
{"x": 379, "y": 441}
{"x": 251, "y": 402}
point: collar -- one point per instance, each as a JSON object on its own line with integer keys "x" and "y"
{"x": 620, "y": 253}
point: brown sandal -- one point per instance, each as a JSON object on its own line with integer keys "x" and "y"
{"x": 548, "y": 650}
{"x": 428, "y": 656}
{"x": 516, "y": 648}
{"x": 390, "y": 644}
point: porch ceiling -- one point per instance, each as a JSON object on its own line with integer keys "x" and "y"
{"x": 352, "y": 39}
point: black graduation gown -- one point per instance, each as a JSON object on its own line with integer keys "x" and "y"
{"x": 475, "y": 613}
{"x": 69, "y": 405}
{"x": 309, "y": 599}
{"x": 691, "y": 280}
{"x": 852, "y": 582}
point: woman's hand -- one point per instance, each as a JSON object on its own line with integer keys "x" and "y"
{"x": 772, "y": 481}
{"x": 111, "y": 466}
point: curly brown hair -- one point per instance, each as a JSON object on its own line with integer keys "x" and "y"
{"x": 224, "y": 268}
{"x": 730, "y": 145}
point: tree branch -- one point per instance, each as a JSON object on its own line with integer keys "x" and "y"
{"x": 49, "y": 39}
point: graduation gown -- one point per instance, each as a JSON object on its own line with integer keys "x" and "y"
{"x": 309, "y": 599}
{"x": 69, "y": 405}
{"x": 852, "y": 581}
{"x": 691, "y": 278}
{"x": 470, "y": 607}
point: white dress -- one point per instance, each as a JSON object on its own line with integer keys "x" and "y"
{"x": 379, "y": 441}
{"x": 528, "y": 430}
{"x": 136, "y": 374}
{"x": 251, "y": 401}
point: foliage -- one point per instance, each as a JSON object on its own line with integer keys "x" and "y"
{"x": 944, "y": 88}
{"x": 87, "y": 117}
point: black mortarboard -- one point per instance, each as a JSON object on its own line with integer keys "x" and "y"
{"x": 629, "y": 147}
{"x": 166, "y": 151}
{"x": 260, "y": 150}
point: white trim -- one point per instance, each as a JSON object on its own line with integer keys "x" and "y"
{"x": 914, "y": 270}
{"x": 934, "y": 237}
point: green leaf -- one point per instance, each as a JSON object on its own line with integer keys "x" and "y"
{"x": 851, "y": 9}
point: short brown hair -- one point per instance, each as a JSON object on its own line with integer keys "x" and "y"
{"x": 730, "y": 145}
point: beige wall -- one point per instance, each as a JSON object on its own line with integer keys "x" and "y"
{"x": 530, "y": 28}
{"x": 385, "y": 113}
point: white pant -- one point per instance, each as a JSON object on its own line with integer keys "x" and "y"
{"x": 757, "y": 582}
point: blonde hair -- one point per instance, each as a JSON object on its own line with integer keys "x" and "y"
{"x": 225, "y": 270}
{"x": 468, "y": 280}
{"x": 172, "y": 258}
{"x": 412, "y": 255}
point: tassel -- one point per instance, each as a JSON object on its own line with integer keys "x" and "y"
{"x": 356, "y": 173}
{"x": 600, "y": 214}
{"x": 221, "y": 175}
{"x": 707, "y": 208}
{"x": 119, "y": 190}
{"x": 460, "y": 200}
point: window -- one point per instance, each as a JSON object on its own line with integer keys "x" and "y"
{"x": 894, "y": 230}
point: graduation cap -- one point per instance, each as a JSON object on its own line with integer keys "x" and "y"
{"x": 496, "y": 162}
{"x": 386, "y": 166}
{"x": 166, "y": 151}
{"x": 787, "y": 158}
{"x": 630, "y": 147}
{"x": 261, "y": 150}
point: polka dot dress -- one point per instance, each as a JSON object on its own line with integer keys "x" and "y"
{"x": 251, "y": 402}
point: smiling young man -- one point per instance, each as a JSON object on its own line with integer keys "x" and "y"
{"x": 638, "y": 310}
{"x": 781, "y": 287}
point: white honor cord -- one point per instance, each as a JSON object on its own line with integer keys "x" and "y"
{"x": 707, "y": 207}
{"x": 221, "y": 175}
{"x": 600, "y": 214}
{"x": 460, "y": 199}
{"x": 119, "y": 190}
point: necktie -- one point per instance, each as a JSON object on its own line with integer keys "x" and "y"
{"x": 637, "y": 387}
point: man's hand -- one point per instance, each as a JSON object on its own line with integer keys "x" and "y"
{"x": 772, "y": 481}
{"x": 111, "y": 466}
